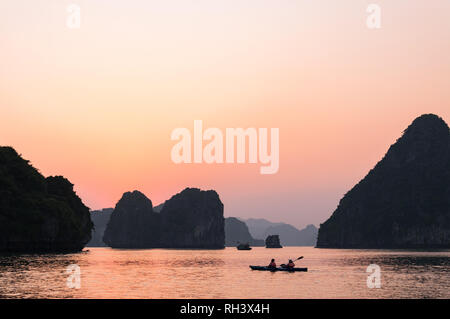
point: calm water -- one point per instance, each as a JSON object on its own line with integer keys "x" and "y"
{"x": 111, "y": 273}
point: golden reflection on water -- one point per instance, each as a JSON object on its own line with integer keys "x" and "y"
{"x": 172, "y": 273}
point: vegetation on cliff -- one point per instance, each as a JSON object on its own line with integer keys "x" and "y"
{"x": 38, "y": 214}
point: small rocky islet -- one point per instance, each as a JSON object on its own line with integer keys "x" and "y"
{"x": 273, "y": 241}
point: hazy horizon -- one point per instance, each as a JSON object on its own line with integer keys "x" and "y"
{"x": 98, "y": 104}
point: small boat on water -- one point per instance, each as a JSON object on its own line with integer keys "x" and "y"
{"x": 277, "y": 269}
{"x": 244, "y": 247}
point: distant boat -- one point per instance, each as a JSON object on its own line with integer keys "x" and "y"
{"x": 244, "y": 247}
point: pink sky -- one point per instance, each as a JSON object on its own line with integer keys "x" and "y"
{"x": 98, "y": 104}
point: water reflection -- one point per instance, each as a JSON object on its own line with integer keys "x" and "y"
{"x": 109, "y": 273}
{"x": 35, "y": 276}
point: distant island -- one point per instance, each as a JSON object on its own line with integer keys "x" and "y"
{"x": 38, "y": 214}
{"x": 404, "y": 201}
{"x": 289, "y": 235}
{"x": 100, "y": 218}
{"x": 190, "y": 219}
{"x": 236, "y": 231}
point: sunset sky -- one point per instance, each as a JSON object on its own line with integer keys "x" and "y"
{"x": 98, "y": 104}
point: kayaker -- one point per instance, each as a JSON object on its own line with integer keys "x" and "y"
{"x": 291, "y": 264}
{"x": 272, "y": 264}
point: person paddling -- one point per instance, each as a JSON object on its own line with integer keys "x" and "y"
{"x": 272, "y": 264}
{"x": 291, "y": 264}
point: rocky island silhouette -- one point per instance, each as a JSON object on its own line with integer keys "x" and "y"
{"x": 236, "y": 230}
{"x": 190, "y": 219}
{"x": 404, "y": 201}
{"x": 38, "y": 214}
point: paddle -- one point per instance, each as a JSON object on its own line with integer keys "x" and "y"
{"x": 284, "y": 265}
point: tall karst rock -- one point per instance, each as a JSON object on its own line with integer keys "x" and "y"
{"x": 193, "y": 219}
{"x": 133, "y": 223}
{"x": 404, "y": 201}
{"x": 190, "y": 219}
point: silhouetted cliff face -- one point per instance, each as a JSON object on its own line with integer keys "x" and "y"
{"x": 157, "y": 209}
{"x": 38, "y": 214}
{"x": 133, "y": 224}
{"x": 193, "y": 219}
{"x": 236, "y": 231}
{"x": 404, "y": 201}
{"x": 190, "y": 219}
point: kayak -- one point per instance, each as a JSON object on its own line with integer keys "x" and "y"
{"x": 277, "y": 269}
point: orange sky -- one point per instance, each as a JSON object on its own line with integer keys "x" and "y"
{"x": 98, "y": 104}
